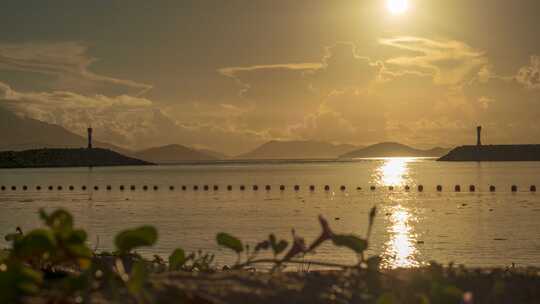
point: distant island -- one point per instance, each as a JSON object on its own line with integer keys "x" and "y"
{"x": 82, "y": 157}
{"x": 170, "y": 154}
{"x": 298, "y": 149}
{"x": 494, "y": 153}
{"x": 393, "y": 149}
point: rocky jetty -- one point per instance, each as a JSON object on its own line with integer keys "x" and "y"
{"x": 494, "y": 153}
{"x": 42, "y": 158}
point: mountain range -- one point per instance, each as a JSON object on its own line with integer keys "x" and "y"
{"x": 22, "y": 133}
{"x": 297, "y": 150}
{"x": 393, "y": 149}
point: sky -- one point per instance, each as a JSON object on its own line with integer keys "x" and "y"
{"x": 229, "y": 75}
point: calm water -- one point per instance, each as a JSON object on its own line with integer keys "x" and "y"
{"x": 412, "y": 228}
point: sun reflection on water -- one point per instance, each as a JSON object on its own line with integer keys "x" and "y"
{"x": 393, "y": 171}
{"x": 400, "y": 250}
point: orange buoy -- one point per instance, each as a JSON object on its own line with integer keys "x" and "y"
{"x": 109, "y": 187}
{"x": 38, "y": 188}
{"x": 71, "y": 188}
{"x": 472, "y": 188}
{"x": 255, "y": 187}
{"x": 216, "y": 187}
{"x": 205, "y": 187}
{"x": 533, "y": 188}
{"x": 3, "y": 188}
{"x": 195, "y": 188}
{"x": 59, "y": 188}
{"x": 343, "y": 188}
{"x": 171, "y": 188}
{"x": 282, "y": 187}
{"x": 83, "y": 188}
{"x": 25, "y": 188}
{"x": 242, "y": 188}
{"x": 156, "y": 188}
{"x": 420, "y": 188}
{"x": 96, "y": 188}
{"x": 457, "y": 188}
{"x": 184, "y": 188}
{"x": 145, "y": 187}
{"x": 491, "y": 188}
{"x": 372, "y": 188}
{"x": 407, "y": 188}
{"x": 121, "y": 187}
{"x": 296, "y": 188}
{"x": 13, "y": 188}
{"x": 439, "y": 188}
{"x": 229, "y": 188}
{"x": 312, "y": 188}
{"x": 391, "y": 188}
{"x": 268, "y": 187}
{"x": 514, "y": 188}
{"x": 133, "y": 188}
{"x": 327, "y": 188}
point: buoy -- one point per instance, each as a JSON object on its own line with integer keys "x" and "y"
{"x": 372, "y": 188}
{"x": 171, "y": 188}
{"x": 282, "y": 187}
{"x": 268, "y": 188}
{"x": 38, "y": 188}
{"x": 533, "y": 188}
{"x": 195, "y": 188}
{"x": 491, "y": 188}
{"x": 407, "y": 188}
{"x": 420, "y": 188}
{"x": 326, "y": 188}
{"x": 109, "y": 187}
{"x": 296, "y": 188}
{"x": 514, "y": 188}
{"x": 205, "y": 187}
{"x": 242, "y": 187}
{"x": 71, "y": 188}
{"x": 25, "y": 188}
{"x": 358, "y": 188}
{"x": 439, "y": 188}
{"x": 391, "y": 188}
{"x": 457, "y": 188}
{"x": 472, "y": 188}
{"x": 184, "y": 188}
{"x": 229, "y": 188}
{"x": 216, "y": 187}
{"x": 121, "y": 187}
{"x": 3, "y": 188}
{"x": 312, "y": 188}
{"x": 255, "y": 187}
{"x": 51, "y": 188}
{"x": 96, "y": 188}
{"x": 156, "y": 188}
{"x": 13, "y": 188}
{"x": 145, "y": 187}
{"x": 132, "y": 188}
{"x": 59, "y": 188}
{"x": 342, "y": 188}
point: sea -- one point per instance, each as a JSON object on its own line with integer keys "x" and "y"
{"x": 493, "y": 221}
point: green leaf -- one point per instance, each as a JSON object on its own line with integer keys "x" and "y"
{"x": 35, "y": 244}
{"x": 59, "y": 220}
{"x": 386, "y": 298}
{"x": 128, "y": 240}
{"x": 177, "y": 259}
{"x": 77, "y": 236}
{"x": 137, "y": 278}
{"x": 12, "y": 237}
{"x": 352, "y": 242}
{"x": 229, "y": 241}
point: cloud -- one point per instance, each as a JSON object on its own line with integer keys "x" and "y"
{"x": 68, "y": 61}
{"x": 450, "y": 62}
{"x": 529, "y": 76}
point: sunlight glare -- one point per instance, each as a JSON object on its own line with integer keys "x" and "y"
{"x": 397, "y": 7}
{"x": 401, "y": 248}
{"x": 394, "y": 171}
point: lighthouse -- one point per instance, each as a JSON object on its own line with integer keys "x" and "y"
{"x": 90, "y": 138}
{"x": 479, "y": 135}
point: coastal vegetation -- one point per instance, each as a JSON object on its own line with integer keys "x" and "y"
{"x": 54, "y": 264}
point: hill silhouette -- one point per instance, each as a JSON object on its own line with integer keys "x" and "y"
{"x": 175, "y": 153}
{"x": 21, "y": 133}
{"x": 297, "y": 150}
{"x": 393, "y": 149}
{"x": 44, "y": 158}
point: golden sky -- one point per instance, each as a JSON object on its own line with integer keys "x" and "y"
{"x": 230, "y": 75}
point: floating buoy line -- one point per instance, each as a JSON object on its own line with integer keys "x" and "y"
{"x": 254, "y": 187}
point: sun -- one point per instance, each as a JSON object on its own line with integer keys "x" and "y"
{"x": 397, "y": 7}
